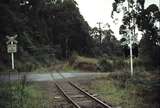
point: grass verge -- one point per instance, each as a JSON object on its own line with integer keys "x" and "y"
{"x": 130, "y": 93}
{"x": 14, "y": 95}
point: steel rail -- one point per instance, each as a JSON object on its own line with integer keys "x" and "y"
{"x": 90, "y": 96}
{"x": 82, "y": 91}
{"x": 65, "y": 95}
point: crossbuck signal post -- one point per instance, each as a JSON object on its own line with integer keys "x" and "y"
{"x": 12, "y": 48}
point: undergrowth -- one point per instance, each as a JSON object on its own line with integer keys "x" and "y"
{"x": 15, "y": 95}
{"x": 121, "y": 90}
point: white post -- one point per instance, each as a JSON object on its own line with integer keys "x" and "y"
{"x": 159, "y": 10}
{"x": 130, "y": 39}
{"x": 131, "y": 55}
{"x": 12, "y": 58}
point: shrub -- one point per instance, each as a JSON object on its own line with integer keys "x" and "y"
{"x": 26, "y": 67}
{"x": 120, "y": 64}
{"x": 105, "y": 65}
{"x": 138, "y": 63}
{"x": 73, "y": 58}
{"x": 111, "y": 64}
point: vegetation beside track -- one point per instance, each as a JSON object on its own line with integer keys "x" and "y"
{"x": 141, "y": 91}
{"x": 16, "y": 95}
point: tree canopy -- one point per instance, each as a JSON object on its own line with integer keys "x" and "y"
{"x": 146, "y": 20}
{"x": 54, "y": 26}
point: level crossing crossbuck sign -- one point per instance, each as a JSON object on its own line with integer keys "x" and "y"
{"x": 12, "y": 47}
{"x": 12, "y": 44}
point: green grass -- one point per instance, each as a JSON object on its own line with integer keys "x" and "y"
{"x": 28, "y": 96}
{"x": 68, "y": 68}
{"x": 87, "y": 60}
{"x": 32, "y": 98}
{"x": 130, "y": 94}
{"x": 41, "y": 70}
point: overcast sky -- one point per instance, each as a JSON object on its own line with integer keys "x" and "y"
{"x": 100, "y": 11}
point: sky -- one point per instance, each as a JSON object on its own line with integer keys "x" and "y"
{"x": 95, "y": 11}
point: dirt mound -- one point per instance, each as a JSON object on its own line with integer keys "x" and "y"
{"x": 85, "y": 66}
{"x": 84, "y": 63}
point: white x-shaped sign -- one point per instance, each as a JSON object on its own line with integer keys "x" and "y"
{"x": 12, "y": 39}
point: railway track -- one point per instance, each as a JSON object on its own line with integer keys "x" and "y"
{"x": 76, "y": 96}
